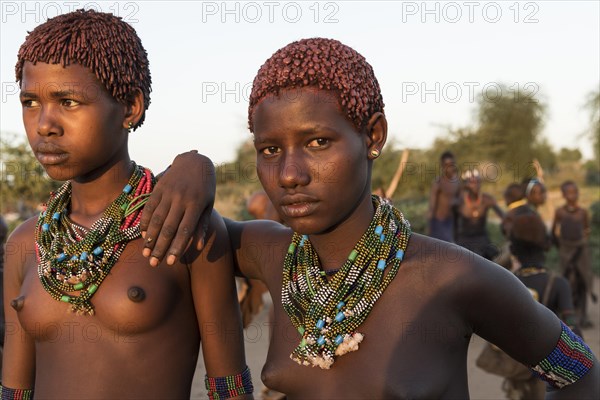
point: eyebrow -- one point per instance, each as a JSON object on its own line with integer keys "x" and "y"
{"x": 53, "y": 94}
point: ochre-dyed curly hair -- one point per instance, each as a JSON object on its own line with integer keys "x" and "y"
{"x": 326, "y": 64}
{"x": 102, "y": 42}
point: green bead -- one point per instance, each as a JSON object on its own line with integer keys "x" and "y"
{"x": 353, "y": 255}
{"x": 303, "y": 343}
{"x": 301, "y": 330}
{"x": 92, "y": 289}
{"x": 66, "y": 299}
{"x": 292, "y": 248}
{"x": 79, "y": 286}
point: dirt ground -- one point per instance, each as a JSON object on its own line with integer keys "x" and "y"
{"x": 481, "y": 384}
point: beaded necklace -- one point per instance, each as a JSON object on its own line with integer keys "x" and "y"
{"x": 328, "y": 312}
{"x": 74, "y": 259}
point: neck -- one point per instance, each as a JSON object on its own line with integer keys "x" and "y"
{"x": 334, "y": 246}
{"x": 93, "y": 194}
{"x": 473, "y": 195}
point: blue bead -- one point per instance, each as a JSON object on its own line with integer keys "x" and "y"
{"x": 379, "y": 229}
{"x": 339, "y": 339}
{"x": 381, "y": 265}
{"x": 340, "y": 305}
{"x": 45, "y": 227}
{"x": 97, "y": 251}
{"x": 320, "y": 324}
{"x": 400, "y": 254}
{"x": 127, "y": 189}
{"x": 382, "y": 238}
{"x": 304, "y": 237}
{"x": 56, "y": 216}
{"x": 61, "y": 257}
{"x": 340, "y": 317}
{"x": 321, "y": 341}
{"x": 74, "y": 258}
{"x": 83, "y": 256}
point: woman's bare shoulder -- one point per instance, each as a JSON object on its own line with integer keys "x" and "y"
{"x": 24, "y": 232}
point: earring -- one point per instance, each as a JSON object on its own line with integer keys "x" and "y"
{"x": 375, "y": 153}
{"x": 130, "y": 126}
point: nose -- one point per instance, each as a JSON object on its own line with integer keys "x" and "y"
{"x": 48, "y": 124}
{"x": 293, "y": 171}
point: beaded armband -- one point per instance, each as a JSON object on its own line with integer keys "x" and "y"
{"x": 570, "y": 360}
{"x": 15, "y": 394}
{"x": 229, "y": 386}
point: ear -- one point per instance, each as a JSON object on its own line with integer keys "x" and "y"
{"x": 134, "y": 110}
{"x": 376, "y": 131}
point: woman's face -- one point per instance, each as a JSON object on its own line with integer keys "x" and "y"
{"x": 311, "y": 159}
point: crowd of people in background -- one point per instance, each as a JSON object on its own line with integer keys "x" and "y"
{"x": 458, "y": 213}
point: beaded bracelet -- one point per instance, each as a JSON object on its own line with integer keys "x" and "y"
{"x": 570, "y": 360}
{"x": 15, "y": 394}
{"x": 229, "y": 386}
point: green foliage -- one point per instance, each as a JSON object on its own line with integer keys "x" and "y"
{"x": 567, "y": 155}
{"x": 24, "y": 182}
{"x": 592, "y": 173}
{"x": 509, "y": 126}
{"x": 242, "y": 170}
{"x": 416, "y": 178}
{"x": 593, "y": 104}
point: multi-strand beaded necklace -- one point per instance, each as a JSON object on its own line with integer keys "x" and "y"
{"x": 328, "y": 312}
{"x": 73, "y": 259}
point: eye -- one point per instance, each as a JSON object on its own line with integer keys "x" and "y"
{"x": 69, "y": 103}
{"x": 319, "y": 142}
{"x": 270, "y": 151}
{"x": 29, "y": 103}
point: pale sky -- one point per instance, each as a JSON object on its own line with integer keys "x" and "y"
{"x": 431, "y": 59}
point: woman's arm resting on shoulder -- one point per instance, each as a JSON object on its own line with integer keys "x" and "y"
{"x": 502, "y": 311}
{"x": 179, "y": 208}
{"x": 219, "y": 318}
{"x": 18, "y": 362}
{"x": 257, "y": 245}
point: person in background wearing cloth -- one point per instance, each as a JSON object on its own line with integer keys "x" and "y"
{"x": 125, "y": 330}
{"x": 471, "y": 220}
{"x": 3, "y": 235}
{"x": 443, "y": 199}
{"x": 514, "y": 197}
{"x": 570, "y": 232}
{"x": 355, "y": 294}
{"x": 528, "y": 243}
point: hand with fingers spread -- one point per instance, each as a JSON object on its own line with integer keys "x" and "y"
{"x": 178, "y": 211}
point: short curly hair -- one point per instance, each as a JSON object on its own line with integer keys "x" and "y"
{"x": 326, "y": 64}
{"x": 102, "y": 42}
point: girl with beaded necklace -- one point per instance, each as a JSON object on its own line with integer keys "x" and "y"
{"x": 363, "y": 308}
{"x": 85, "y": 316}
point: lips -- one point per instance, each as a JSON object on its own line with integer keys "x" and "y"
{"x": 50, "y": 154}
{"x": 295, "y": 206}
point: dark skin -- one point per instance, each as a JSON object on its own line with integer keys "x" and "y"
{"x": 260, "y": 207}
{"x": 475, "y": 203}
{"x": 417, "y": 335}
{"x": 143, "y": 340}
{"x": 444, "y": 191}
{"x": 176, "y": 216}
{"x": 571, "y": 222}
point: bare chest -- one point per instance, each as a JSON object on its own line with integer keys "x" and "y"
{"x": 413, "y": 347}
{"x": 133, "y": 299}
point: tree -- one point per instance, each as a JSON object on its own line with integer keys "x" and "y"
{"x": 24, "y": 182}
{"x": 593, "y": 167}
{"x": 569, "y": 155}
{"x": 593, "y": 104}
{"x": 509, "y": 127}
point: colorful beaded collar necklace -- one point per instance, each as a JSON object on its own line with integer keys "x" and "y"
{"x": 73, "y": 259}
{"x": 327, "y": 313}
